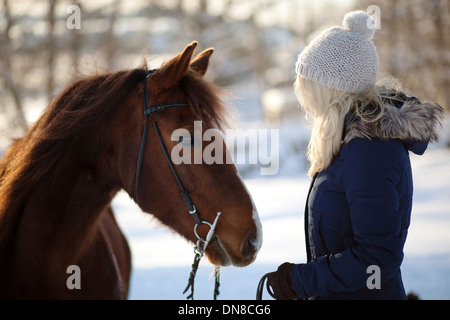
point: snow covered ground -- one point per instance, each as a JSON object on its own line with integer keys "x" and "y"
{"x": 162, "y": 260}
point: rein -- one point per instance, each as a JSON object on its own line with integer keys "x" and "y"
{"x": 260, "y": 288}
{"x": 202, "y": 243}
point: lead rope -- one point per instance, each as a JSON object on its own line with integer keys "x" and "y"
{"x": 260, "y": 288}
{"x": 199, "y": 250}
{"x": 193, "y": 273}
{"x": 216, "y": 282}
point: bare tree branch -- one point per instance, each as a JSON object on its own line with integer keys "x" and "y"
{"x": 8, "y": 69}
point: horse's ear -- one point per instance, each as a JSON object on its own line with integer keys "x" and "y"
{"x": 174, "y": 69}
{"x": 201, "y": 61}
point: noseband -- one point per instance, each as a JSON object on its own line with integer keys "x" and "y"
{"x": 202, "y": 243}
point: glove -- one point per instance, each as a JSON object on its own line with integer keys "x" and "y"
{"x": 281, "y": 283}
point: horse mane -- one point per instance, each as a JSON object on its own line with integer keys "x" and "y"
{"x": 204, "y": 98}
{"x": 69, "y": 118}
{"x": 73, "y": 116}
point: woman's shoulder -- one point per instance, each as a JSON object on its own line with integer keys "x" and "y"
{"x": 373, "y": 161}
{"x": 374, "y": 152}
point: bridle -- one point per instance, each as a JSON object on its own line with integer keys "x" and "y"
{"x": 202, "y": 243}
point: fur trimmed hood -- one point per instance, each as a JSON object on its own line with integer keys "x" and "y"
{"x": 413, "y": 122}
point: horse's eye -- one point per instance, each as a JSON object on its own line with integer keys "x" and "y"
{"x": 189, "y": 142}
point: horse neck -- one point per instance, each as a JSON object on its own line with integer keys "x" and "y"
{"x": 61, "y": 210}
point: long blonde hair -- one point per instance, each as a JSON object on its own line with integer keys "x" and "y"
{"x": 326, "y": 109}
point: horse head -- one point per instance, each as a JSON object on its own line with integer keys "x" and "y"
{"x": 211, "y": 187}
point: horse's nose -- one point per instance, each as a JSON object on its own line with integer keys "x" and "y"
{"x": 249, "y": 246}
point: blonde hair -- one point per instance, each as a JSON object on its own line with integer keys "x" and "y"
{"x": 326, "y": 110}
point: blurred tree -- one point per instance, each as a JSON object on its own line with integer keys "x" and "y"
{"x": 75, "y": 42}
{"x": 256, "y": 42}
{"x": 51, "y": 45}
{"x": 110, "y": 40}
{"x": 414, "y": 46}
{"x": 12, "y": 88}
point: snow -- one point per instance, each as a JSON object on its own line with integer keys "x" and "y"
{"x": 162, "y": 260}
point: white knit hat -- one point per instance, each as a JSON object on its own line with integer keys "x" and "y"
{"x": 342, "y": 58}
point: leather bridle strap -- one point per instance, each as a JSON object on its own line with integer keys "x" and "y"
{"x": 202, "y": 243}
{"x": 147, "y": 112}
{"x": 184, "y": 194}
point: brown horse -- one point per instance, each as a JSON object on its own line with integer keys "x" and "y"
{"x": 57, "y": 183}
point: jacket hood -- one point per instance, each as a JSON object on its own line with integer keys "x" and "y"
{"x": 413, "y": 122}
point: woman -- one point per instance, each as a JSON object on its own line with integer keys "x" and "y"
{"x": 359, "y": 204}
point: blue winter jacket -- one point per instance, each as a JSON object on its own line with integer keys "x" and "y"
{"x": 358, "y": 209}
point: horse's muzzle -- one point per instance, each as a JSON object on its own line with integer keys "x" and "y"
{"x": 250, "y": 246}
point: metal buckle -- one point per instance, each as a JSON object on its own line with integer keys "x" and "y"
{"x": 212, "y": 227}
{"x": 194, "y": 211}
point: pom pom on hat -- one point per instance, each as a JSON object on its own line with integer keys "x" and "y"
{"x": 361, "y": 22}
